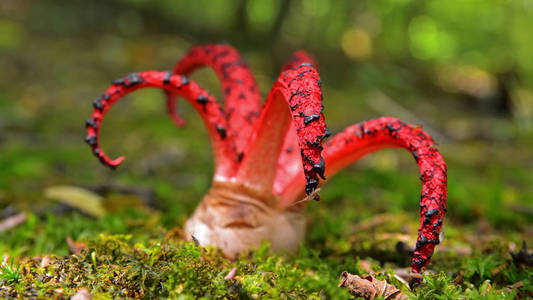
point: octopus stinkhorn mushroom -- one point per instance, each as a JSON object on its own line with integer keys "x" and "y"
{"x": 269, "y": 157}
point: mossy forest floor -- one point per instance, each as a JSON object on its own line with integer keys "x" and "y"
{"x": 364, "y": 223}
{"x": 133, "y": 246}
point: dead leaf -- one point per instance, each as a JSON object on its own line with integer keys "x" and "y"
{"x": 515, "y": 285}
{"x": 231, "y": 273}
{"x": 406, "y": 275}
{"x": 175, "y": 233}
{"x": 82, "y": 199}
{"x": 497, "y": 270}
{"x": 13, "y": 221}
{"x": 82, "y": 294}
{"x": 369, "y": 287}
{"x": 522, "y": 258}
{"x": 459, "y": 278}
{"x": 313, "y": 196}
{"x": 75, "y": 247}
{"x": 45, "y": 262}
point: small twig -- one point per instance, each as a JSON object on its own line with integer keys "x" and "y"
{"x": 382, "y": 103}
{"x": 231, "y": 273}
{"x": 75, "y": 247}
{"x": 308, "y": 198}
{"x": 13, "y": 221}
{"x": 515, "y": 285}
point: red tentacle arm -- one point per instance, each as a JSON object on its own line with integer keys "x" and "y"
{"x": 242, "y": 98}
{"x": 296, "y": 96}
{"x": 289, "y": 159}
{"x": 297, "y": 58}
{"x": 172, "y": 110}
{"x": 204, "y": 104}
{"x": 386, "y": 132}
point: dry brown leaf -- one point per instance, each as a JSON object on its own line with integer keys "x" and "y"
{"x": 75, "y": 247}
{"x": 231, "y": 273}
{"x": 82, "y": 199}
{"x": 405, "y": 275}
{"x": 12, "y": 221}
{"x": 45, "y": 262}
{"x": 459, "y": 278}
{"x": 82, "y": 294}
{"x": 369, "y": 287}
{"x": 174, "y": 234}
{"x": 515, "y": 285}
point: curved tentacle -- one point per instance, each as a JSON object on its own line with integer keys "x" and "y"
{"x": 299, "y": 57}
{"x": 366, "y": 137}
{"x": 204, "y": 104}
{"x": 172, "y": 109}
{"x": 242, "y": 98}
{"x": 296, "y": 97}
{"x": 289, "y": 159}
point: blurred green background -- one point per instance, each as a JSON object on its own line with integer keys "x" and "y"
{"x": 462, "y": 69}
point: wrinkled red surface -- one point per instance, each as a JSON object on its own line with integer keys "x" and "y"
{"x": 204, "y": 104}
{"x": 297, "y": 58}
{"x": 242, "y": 98}
{"x": 269, "y": 148}
{"x": 295, "y": 95}
{"x": 289, "y": 159}
{"x": 298, "y": 87}
{"x": 366, "y": 137}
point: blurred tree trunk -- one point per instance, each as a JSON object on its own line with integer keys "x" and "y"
{"x": 240, "y": 23}
{"x": 283, "y": 11}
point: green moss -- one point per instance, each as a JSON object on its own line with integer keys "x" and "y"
{"x": 489, "y": 205}
{"x": 114, "y": 266}
{"x": 120, "y": 266}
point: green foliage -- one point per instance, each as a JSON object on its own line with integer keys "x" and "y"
{"x": 114, "y": 266}
{"x": 37, "y": 236}
{"x": 463, "y": 67}
{"x": 479, "y": 267}
{"x": 441, "y": 286}
{"x": 152, "y": 265}
{"x": 9, "y": 273}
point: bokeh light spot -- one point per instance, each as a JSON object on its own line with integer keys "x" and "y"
{"x": 423, "y": 38}
{"x": 356, "y": 43}
{"x": 261, "y": 13}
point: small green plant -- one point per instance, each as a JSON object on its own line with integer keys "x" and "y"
{"x": 479, "y": 268}
{"x": 9, "y": 273}
{"x": 438, "y": 286}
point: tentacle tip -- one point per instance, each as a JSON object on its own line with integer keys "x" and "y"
{"x": 179, "y": 122}
{"x": 305, "y": 64}
{"x": 415, "y": 269}
{"x": 115, "y": 163}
